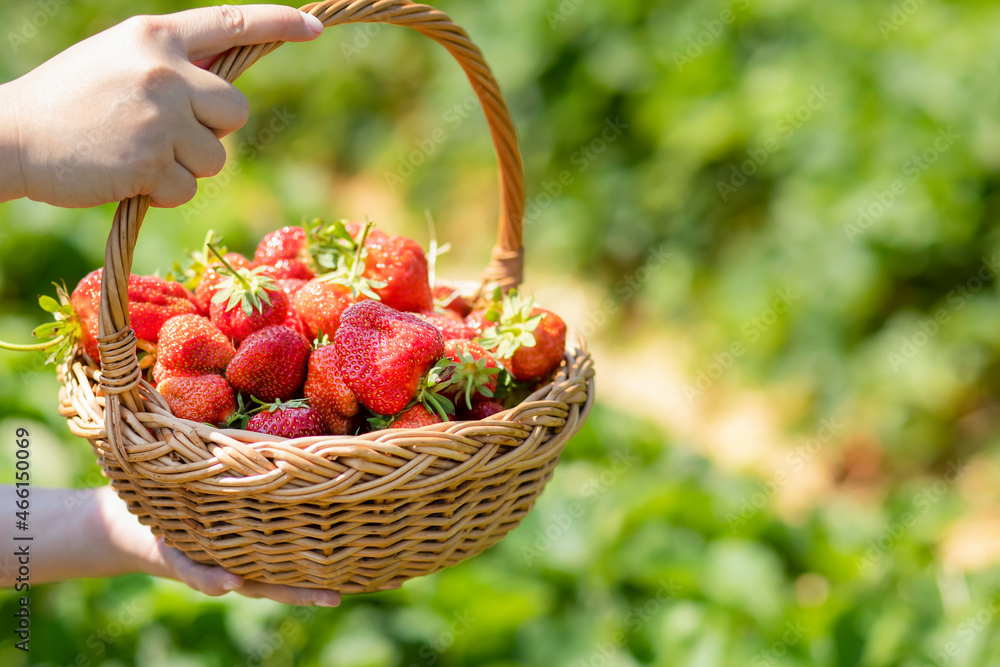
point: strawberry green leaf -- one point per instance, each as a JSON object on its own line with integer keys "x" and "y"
{"x": 48, "y": 304}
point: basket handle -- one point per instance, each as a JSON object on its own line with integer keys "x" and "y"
{"x": 120, "y": 374}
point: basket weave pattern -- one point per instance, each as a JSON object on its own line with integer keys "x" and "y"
{"x": 352, "y": 513}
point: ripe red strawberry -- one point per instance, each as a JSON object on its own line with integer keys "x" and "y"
{"x": 86, "y": 300}
{"x": 284, "y": 243}
{"x": 395, "y": 266}
{"x": 450, "y": 299}
{"x": 319, "y": 305}
{"x": 476, "y": 320}
{"x": 246, "y": 302}
{"x": 450, "y": 325}
{"x": 473, "y": 372}
{"x": 284, "y": 252}
{"x": 287, "y": 269}
{"x": 482, "y": 410}
{"x": 536, "y": 362}
{"x": 400, "y": 263}
{"x": 208, "y": 285}
{"x": 193, "y": 344}
{"x": 529, "y": 341}
{"x": 291, "y": 285}
{"x": 415, "y": 417}
{"x": 161, "y": 373}
{"x": 270, "y": 365}
{"x": 327, "y": 392}
{"x": 288, "y": 420}
{"x": 152, "y": 301}
{"x": 383, "y": 354}
{"x": 202, "y": 398}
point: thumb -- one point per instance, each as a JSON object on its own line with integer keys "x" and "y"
{"x": 211, "y": 30}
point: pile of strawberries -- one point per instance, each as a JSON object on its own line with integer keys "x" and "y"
{"x": 330, "y": 329}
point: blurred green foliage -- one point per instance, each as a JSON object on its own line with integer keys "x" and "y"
{"x": 843, "y": 154}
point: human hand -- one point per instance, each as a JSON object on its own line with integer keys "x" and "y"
{"x": 130, "y": 111}
{"x": 134, "y": 548}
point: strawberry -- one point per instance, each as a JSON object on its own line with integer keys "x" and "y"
{"x": 529, "y": 341}
{"x": 201, "y": 398}
{"x": 294, "y": 419}
{"x": 450, "y": 325}
{"x": 191, "y": 343}
{"x": 319, "y": 305}
{"x": 472, "y": 371}
{"x": 291, "y": 285}
{"x": 161, "y": 373}
{"x": 531, "y": 363}
{"x": 383, "y": 354}
{"x": 394, "y": 266}
{"x": 284, "y": 252}
{"x": 415, "y": 417}
{"x": 151, "y": 302}
{"x": 86, "y": 300}
{"x": 400, "y": 263}
{"x": 262, "y": 303}
{"x": 327, "y": 392}
{"x": 287, "y": 269}
{"x": 208, "y": 285}
{"x": 284, "y": 243}
{"x": 482, "y": 410}
{"x": 270, "y": 364}
{"x": 476, "y": 320}
{"x": 450, "y": 299}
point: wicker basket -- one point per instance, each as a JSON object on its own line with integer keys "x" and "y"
{"x": 356, "y": 514}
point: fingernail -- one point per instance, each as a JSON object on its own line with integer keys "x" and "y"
{"x": 327, "y": 602}
{"x": 313, "y": 23}
{"x": 230, "y": 585}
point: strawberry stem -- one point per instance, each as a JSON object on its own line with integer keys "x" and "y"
{"x": 32, "y": 348}
{"x": 369, "y": 223}
{"x": 236, "y": 274}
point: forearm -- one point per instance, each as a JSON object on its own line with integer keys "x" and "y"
{"x": 71, "y": 534}
{"x": 11, "y": 173}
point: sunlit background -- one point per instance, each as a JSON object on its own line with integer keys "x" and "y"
{"x": 775, "y": 222}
